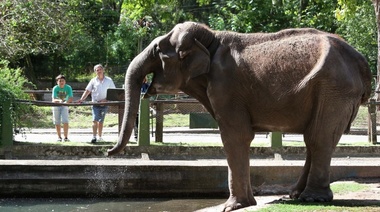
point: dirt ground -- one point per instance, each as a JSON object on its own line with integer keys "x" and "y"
{"x": 372, "y": 193}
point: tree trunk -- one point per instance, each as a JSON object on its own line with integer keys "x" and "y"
{"x": 303, "y": 6}
{"x": 376, "y": 4}
{"x": 56, "y": 70}
{"x": 29, "y": 70}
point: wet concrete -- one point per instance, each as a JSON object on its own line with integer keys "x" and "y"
{"x": 105, "y": 204}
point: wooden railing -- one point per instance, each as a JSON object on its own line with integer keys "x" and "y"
{"x": 372, "y": 125}
{"x": 143, "y": 136}
{"x": 160, "y": 114}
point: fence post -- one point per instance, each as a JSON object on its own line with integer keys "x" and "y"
{"x": 159, "y": 122}
{"x": 143, "y": 133}
{"x": 372, "y": 132}
{"x": 275, "y": 139}
{"x": 6, "y": 136}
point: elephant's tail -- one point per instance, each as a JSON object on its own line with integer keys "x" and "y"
{"x": 366, "y": 75}
{"x": 355, "y": 110}
{"x": 367, "y": 93}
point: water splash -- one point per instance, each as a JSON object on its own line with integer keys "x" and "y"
{"x": 104, "y": 180}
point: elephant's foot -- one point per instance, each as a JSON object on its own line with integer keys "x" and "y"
{"x": 233, "y": 203}
{"x": 296, "y": 190}
{"x": 316, "y": 195}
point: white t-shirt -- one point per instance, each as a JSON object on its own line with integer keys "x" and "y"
{"x": 99, "y": 88}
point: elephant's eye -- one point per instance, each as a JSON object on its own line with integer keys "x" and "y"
{"x": 183, "y": 54}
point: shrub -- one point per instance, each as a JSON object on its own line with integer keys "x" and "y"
{"x": 12, "y": 85}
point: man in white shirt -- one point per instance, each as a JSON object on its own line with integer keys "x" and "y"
{"x": 98, "y": 88}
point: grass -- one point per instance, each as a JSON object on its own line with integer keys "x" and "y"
{"x": 81, "y": 117}
{"x": 336, "y": 205}
{"x": 361, "y": 119}
{"x": 345, "y": 187}
{"x": 41, "y": 117}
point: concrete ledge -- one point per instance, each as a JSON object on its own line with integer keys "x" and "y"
{"x": 173, "y": 152}
{"x": 157, "y": 171}
{"x": 99, "y": 177}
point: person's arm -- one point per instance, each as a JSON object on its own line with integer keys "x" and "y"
{"x": 86, "y": 92}
{"x": 84, "y": 96}
{"x": 69, "y": 100}
{"x": 54, "y": 97}
{"x": 57, "y": 100}
{"x": 69, "y": 94}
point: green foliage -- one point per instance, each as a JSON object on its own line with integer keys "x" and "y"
{"x": 46, "y": 37}
{"x": 357, "y": 24}
{"x": 33, "y": 27}
{"x": 318, "y": 14}
{"x": 12, "y": 84}
{"x": 244, "y": 16}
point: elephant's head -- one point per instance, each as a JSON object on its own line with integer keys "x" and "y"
{"x": 174, "y": 59}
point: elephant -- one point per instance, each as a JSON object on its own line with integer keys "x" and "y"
{"x": 302, "y": 81}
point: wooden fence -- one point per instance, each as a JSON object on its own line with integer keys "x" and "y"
{"x": 144, "y": 122}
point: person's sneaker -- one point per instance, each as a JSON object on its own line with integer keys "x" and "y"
{"x": 100, "y": 139}
{"x": 93, "y": 140}
{"x": 66, "y": 140}
{"x": 59, "y": 139}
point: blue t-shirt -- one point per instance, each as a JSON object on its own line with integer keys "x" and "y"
{"x": 62, "y": 93}
{"x": 144, "y": 87}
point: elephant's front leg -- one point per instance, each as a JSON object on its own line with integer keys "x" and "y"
{"x": 299, "y": 187}
{"x": 237, "y": 150}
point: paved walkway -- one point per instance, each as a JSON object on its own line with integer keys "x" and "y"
{"x": 171, "y": 135}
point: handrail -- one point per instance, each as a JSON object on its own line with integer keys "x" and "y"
{"x": 47, "y": 103}
{"x": 174, "y": 101}
{"x": 48, "y": 91}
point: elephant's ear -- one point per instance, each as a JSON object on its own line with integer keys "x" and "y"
{"x": 198, "y": 61}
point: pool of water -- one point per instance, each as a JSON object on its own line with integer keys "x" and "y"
{"x": 104, "y": 204}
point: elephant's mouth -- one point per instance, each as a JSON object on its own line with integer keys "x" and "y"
{"x": 157, "y": 88}
{"x": 151, "y": 91}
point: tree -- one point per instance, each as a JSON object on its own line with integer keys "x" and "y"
{"x": 357, "y": 24}
{"x": 31, "y": 28}
{"x": 376, "y": 4}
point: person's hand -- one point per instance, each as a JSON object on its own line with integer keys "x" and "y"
{"x": 79, "y": 101}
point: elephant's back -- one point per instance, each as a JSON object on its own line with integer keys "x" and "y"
{"x": 280, "y": 66}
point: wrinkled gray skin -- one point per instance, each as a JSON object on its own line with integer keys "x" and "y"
{"x": 297, "y": 80}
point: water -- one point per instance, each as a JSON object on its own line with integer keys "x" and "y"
{"x": 104, "y": 204}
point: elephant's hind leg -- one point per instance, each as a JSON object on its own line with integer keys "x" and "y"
{"x": 321, "y": 138}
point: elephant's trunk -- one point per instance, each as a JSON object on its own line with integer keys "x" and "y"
{"x": 133, "y": 81}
